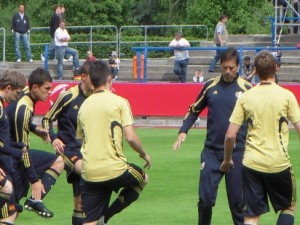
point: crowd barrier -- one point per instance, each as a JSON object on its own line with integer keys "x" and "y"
{"x": 143, "y": 51}
{"x": 151, "y": 99}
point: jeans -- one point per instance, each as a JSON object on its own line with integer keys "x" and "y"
{"x": 51, "y": 50}
{"x": 61, "y": 51}
{"x": 114, "y": 71}
{"x": 25, "y": 40}
{"x": 215, "y": 59}
{"x": 180, "y": 68}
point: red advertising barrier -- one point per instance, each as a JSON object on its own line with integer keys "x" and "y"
{"x": 150, "y": 99}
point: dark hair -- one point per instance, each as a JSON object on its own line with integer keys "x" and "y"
{"x": 85, "y": 67}
{"x": 99, "y": 72}
{"x": 13, "y": 78}
{"x": 179, "y": 33}
{"x": 39, "y": 76}
{"x": 265, "y": 65}
{"x": 229, "y": 54}
{"x": 55, "y": 7}
{"x": 223, "y": 17}
{"x": 247, "y": 58}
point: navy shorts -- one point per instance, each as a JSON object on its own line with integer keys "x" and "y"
{"x": 96, "y": 195}
{"x": 41, "y": 161}
{"x": 257, "y": 186}
{"x": 71, "y": 156}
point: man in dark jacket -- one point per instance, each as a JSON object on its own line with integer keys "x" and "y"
{"x": 54, "y": 24}
{"x": 20, "y": 27}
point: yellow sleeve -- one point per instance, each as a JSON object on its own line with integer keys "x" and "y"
{"x": 238, "y": 115}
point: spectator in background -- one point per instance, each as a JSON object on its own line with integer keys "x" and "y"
{"x": 20, "y": 27}
{"x": 198, "y": 77}
{"x": 277, "y": 55}
{"x": 281, "y": 12}
{"x": 220, "y": 40}
{"x": 248, "y": 69}
{"x": 62, "y": 38}
{"x": 63, "y": 17}
{"x": 90, "y": 57}
{"x": 296, "y": 7}
{"x": 114, "y": 63}
{"x": 181, "y": 56}
{"x": 54, "y": 24}
{"x": 62, "y": 13}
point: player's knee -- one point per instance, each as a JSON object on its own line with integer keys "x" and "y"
{"x": 78, "y": 203}
{"x": 202, "y": 203}
{"x": 251, "y": 220}
{"x": 59, "y": 164}
{"x": 146, "y": 179}
{"x": 129, "y": 195}
{"x": 8, "y": 187}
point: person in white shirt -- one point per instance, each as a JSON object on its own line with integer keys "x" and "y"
{"x": 198, "y": 77}
{"x": 181, "y": 56}
{"x": 62, "y": 38}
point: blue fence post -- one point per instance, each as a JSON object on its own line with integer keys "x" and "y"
{"x": 241, "y": 60}
{"x": 145, "y": 64}
{"x": 138, "y": 54}
{"x": 46, "y": 57}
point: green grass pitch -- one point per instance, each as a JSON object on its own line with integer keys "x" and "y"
{"x": 171, "y": 195}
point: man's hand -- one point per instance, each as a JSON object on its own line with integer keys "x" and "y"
{"x": 37, "y": 190}
{"x": 181, "y": 138}
{"x": 58, "y": 146}
{"x": 42, "y": 133}
{"x": 147, "y": 158}
{"x": 226, "y": 166}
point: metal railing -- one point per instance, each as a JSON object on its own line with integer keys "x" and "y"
{"x": 2, "y": 29}
{"x": 88, "y": 30}
{"x": 150, "y": 34}
{"x": 144, "y": 51}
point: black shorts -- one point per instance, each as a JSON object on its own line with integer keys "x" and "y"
{"x": 70, "y": 157}
{"x": 41, "y": 161}
{"x": 96, "y": 195}
{"x": 257, "y": 186}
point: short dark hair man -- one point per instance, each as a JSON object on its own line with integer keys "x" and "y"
{"x": 38, "y": 168}
{"x": 267, "y": 171}
{"x": 219, "y": 95}
{"x": 65, "y": 111}
{"x": 104, "y": 166}
{"x": 11, "y": 83}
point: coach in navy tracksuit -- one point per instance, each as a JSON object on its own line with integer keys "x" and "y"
{"x": 219, "y": 95}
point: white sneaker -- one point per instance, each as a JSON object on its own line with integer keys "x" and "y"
{"x": 70, "y": 58}
{"x": 30, "y": 60}
{"x": 42, "y": 58}
{"x": 18, "y": 60}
